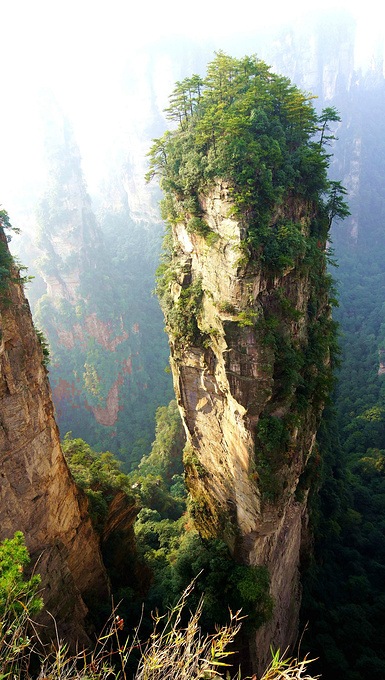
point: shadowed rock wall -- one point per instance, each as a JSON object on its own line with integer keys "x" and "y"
{"x": 37, "y": 493}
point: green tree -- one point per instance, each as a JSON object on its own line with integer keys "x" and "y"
{"x": 10, "y": 269}
{"x": 16, "y": 593}
{"x": 336, "y": 207}
{"x": 328, "y": 115}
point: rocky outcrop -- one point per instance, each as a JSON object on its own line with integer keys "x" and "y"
{"x": 78, "y": 339}
{"x": 249, "y": 438}
{"x": 37, "y": 493}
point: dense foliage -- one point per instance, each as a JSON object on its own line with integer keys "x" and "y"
{"x": 170, "y": 545}
{"x": 6, "y": 260}
{"x": 343, "y": 597}
{"x": 344, "y": 594}
{"x": 169, "y": 552}
{"x": 16, "y": 592}
{"x": 19, "y": 600}
{"x": 245, "y": 125}
{"x": 175, "y": 648}
{"x": 258, "y": 133}
{"x": 98, "y": 474}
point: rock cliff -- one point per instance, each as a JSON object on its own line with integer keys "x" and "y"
{"x": 91, "y": 345}
{"x": 37, "y": 493}
{"x": 96, "y": 312}
{"x": 230, "y": 386}
{"x": 244, "y": 290}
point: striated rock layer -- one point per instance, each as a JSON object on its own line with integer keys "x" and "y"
{"x": 37, "y": 493}
{"x": 232, "y": 381}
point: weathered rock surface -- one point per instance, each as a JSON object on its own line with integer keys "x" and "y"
{"x": 226, "y": 380}
{"x": 37, "y": 493}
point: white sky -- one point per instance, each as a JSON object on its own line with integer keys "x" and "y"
{"x": 80, "y": 47}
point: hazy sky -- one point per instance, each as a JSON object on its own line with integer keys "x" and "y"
{"x": 80, "y": 48}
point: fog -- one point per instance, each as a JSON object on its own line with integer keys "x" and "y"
{"x": 107, "y": 63}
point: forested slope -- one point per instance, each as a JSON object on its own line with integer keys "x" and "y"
{"x": 344, "y": 599}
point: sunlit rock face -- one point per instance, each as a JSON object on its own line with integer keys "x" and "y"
{"x": 37, "y": 493}
{"x": 229, "y": 380}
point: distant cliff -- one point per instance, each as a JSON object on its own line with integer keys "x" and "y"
{"x": 244, "y": 290}
{"x": 92, "y": 356}
{"x": 93, "y": 309}
{"x": 37, "y": 493}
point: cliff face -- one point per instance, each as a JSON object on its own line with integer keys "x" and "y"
{"x": 249, "y": 439}
{"x": 244, "y": 290}
{"x": 105, "y": 333}
{"x": 92, "y": 352}
{"x": 37, "y": 493}
{"x": 118, "y": 546}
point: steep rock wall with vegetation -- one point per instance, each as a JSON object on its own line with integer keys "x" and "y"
{"x": 104, "y": 330}
{"x": 94, "y": 350}
{"x": 37, "y": 493}
{"x": 245, "y": 293}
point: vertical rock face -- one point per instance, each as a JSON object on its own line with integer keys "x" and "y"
{"x": 250, "y": 423}
{"x": 244, "y": 289}
{"x": 37, "y": 493}
{"x": 97, "y": 275}
{"x": 76, "y": 311}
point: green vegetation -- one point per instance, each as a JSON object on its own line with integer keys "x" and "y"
{"x": 169, "y": 544}
{"x": 98, "y": 474}
{"x": 44, "y": 346}
{"x": 165, "y": 457}
{"x": 183, "y": 315}
{"x": 19, "y": 600}
{"x": 15, "y": 592}
{"x": 175, "y": 648}
{"x": 108, "y": 348}
{"x": 254, "y": 129}
{"x": 10, "y": 270}
{"x": 6, "y": 259}
{"x": 257, "y": 132}
{"x": 169, "y": 551}
{"x": 302, "y": 378}
{"x": 343, "y": 589}
{"x": 343, "y": 586}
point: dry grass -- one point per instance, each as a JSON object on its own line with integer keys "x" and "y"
{"x": 282, "y": 668}
{"x": 16, "y": 645}
{"x": 176, "y": 653}
{"x": 173, "y": 652}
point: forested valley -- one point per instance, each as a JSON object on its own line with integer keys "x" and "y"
{"x": 94, "y": 265}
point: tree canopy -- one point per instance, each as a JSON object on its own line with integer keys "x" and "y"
{"x": 252, "y": 128}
